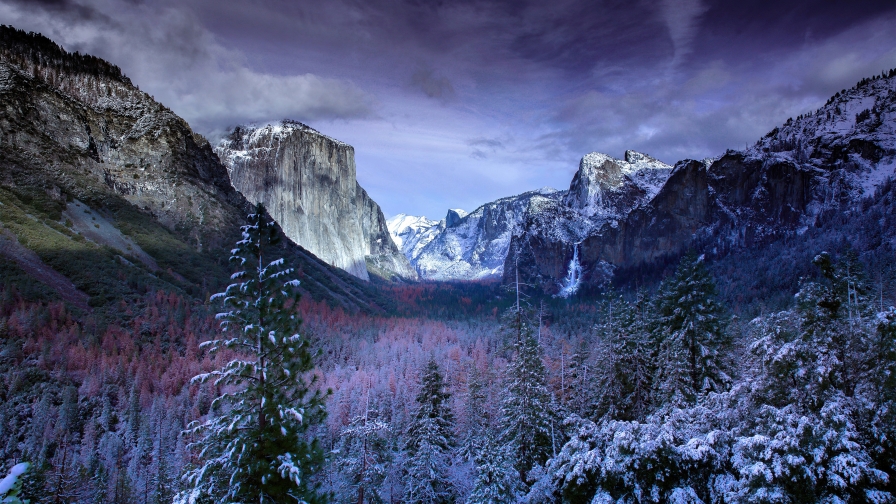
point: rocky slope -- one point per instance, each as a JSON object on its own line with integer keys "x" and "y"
{"x": 411, "y": 233}
{"x": 468, "y": 246}
{"x": 819, "y": 165}
{"x": 112, "y": 190}
{"x": 307, "y": 182}
{"x": 475, "y": 246}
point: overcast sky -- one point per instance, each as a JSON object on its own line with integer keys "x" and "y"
{"x": 454, "y": 104}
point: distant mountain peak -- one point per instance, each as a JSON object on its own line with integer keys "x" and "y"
{"x": 604, "y": 185}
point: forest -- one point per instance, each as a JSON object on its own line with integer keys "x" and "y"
{"x": 765, "y": 374}
{"x": 476, "y": 393}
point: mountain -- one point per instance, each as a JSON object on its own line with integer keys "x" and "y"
{"x": 621, "y": 218}
{"x": 467, "y": 246}
{"x": 604, "y": 188}
{"x": 411, "y": 233}
{"x": 799, "y": 176}
{"x": 475, "y": 246}
{"x": 603, "y": 191}
{"x": 307, "y": 182}
{"x": 106, "y": 193}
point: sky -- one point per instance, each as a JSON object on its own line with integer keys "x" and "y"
{"x": 455, "y": 104}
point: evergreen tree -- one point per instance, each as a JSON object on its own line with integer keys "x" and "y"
{"x": 528, "y": 424}
{"x": 363, "y": 458}
{"x": 429, "y": 442}
{"x": 626, "y": 382}
{"x": 257, "y": 449}
{"x": 497, "y": 482}
{"x": 689, "y": 334}
{"x": 476, "y": 415}
{"x": 583, "y": 398}
{"x": 883, "y": 424}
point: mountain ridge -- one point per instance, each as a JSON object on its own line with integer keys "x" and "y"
{"x": 308, "y": 183}
{"x": 75, "y": 131}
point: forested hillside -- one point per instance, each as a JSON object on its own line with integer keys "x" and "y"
{"x": 761, "y": 376}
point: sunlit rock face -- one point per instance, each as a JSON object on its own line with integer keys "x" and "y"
{"x": 307, "y": 182}
{"x": 468, "y": 246}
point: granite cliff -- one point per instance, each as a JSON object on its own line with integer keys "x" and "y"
{"x": 466, "y": 246}
{"x": 307, "y": 182}
{"x": 816, "y": 167}
{"x": 105, "y": 192}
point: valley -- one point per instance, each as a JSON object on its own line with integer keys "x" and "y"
{"x": 715, "y": 330}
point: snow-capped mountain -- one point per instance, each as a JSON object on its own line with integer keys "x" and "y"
{"x": 606, "y": 187}
{"x": 467, "y": 246}
{"x": 411, "y": 233}
{"x": 463, "y": 246}
{"x": 796, "y": 177}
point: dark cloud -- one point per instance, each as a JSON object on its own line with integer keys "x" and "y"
{"x": 505, "y": 95}
{"x": 432, "y": 85}
{"x": 483, "y": 147}
{"x": 67, "y": 8}
{"x": 168, "y": 52}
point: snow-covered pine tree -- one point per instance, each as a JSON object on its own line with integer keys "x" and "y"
{"x": 581, "y": 378}
{"x": 690, "y": 335}
{"x": 626, "y": 381}
{"x": 528, "y": 424}
{"x": 429, "y": 442}
{"x": 497, "y": 481}
{"x": 883, "y": 424}
{"x": 363, "y": 458}
{"x": 476, "y": 416}
{"x": 256, "y": 449}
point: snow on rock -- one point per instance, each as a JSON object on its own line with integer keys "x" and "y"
{"x": 468, "y": 246}
{"x": 851, "y": 140}
{"x": 410, "y": 233}
{"x": 307, "y": 182}
{"x": 10, "y": 481}
{"x": 608, "y": 187}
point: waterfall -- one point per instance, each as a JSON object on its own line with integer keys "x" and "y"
{"x": 570, "y": 284}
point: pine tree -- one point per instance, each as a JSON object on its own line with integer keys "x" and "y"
{"x": 497, "y": 482}
{"x": 626, "y": 383}
{"x": 363, "y": 457}
{"x": 527, "y": 422}
{"x": 883, "y": 424}
{"x": 429, "y": 442}
{"x": 689, "y": 334}
{"x": 476, "y": 415}
{"x": 257, "y": 449}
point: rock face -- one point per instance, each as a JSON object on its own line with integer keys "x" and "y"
{"x": 116, "y": 181}
{"x": 73, "y": 124}
{"x": 605, "y": 187}
{"x": 820, "y": 164}
{"x": 307, "y": 182}
{"x": 604, "y": 191}
{"x": 469, "y": 246}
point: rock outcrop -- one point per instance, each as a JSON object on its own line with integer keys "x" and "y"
{"x": 74, "y": 125}
{"x": 115, "y": 192}
{"x": 470, "y": 246}
{"x": 307, "y": 182}
{"x": 821, "y": 164}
